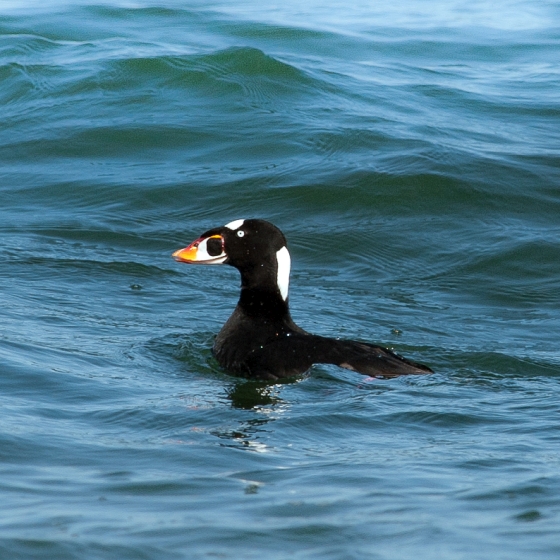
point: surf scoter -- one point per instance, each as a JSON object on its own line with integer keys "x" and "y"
{"x": 260, "y": 339}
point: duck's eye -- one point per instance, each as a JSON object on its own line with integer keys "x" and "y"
{"x": 240, "y": 233}
{"x": 214, "y": 246}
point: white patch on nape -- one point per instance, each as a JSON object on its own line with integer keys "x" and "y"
{"x": 283, "y": 276}
{"x": 236, "y": 224}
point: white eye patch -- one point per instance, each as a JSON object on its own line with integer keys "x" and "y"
{"x": 236, "y": 224}
{"x": 240, "y": 233}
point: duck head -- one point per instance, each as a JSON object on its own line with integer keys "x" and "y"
{"x": 257, "y": 248}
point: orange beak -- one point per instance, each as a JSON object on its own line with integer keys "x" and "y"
{"x": 188, "y": 254}
{"x": 198, "y": 252}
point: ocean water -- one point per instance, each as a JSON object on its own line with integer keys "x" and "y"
{"x": 409, "y": 151}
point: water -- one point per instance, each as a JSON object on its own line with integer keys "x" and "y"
{"x": 411, "y": 154}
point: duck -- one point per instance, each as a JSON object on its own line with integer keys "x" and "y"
{"x": 260, "y": 340}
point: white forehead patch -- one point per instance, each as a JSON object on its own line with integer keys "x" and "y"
{"x": 236, "y": 224}
{"x": 283, "y": 275}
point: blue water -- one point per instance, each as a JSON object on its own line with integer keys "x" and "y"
{"x": 409, "y": 151}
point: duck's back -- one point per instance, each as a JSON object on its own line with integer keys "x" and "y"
{"x": 262, "y": 349}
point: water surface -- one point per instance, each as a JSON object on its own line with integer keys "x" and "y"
{"x": 411, "y": 155}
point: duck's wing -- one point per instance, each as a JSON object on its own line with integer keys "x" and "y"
{"x": 372, "y": 360}
{"x": 295, "y": 353}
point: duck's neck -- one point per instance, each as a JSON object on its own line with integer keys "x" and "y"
{"x": 264, "y": 288}
{"x": 264, "y": 303}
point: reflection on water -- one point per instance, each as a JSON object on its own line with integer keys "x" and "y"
{"x": 248, "y": 435}
{"x": 248, "y": 395}
{"x": 263, "y": 399}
